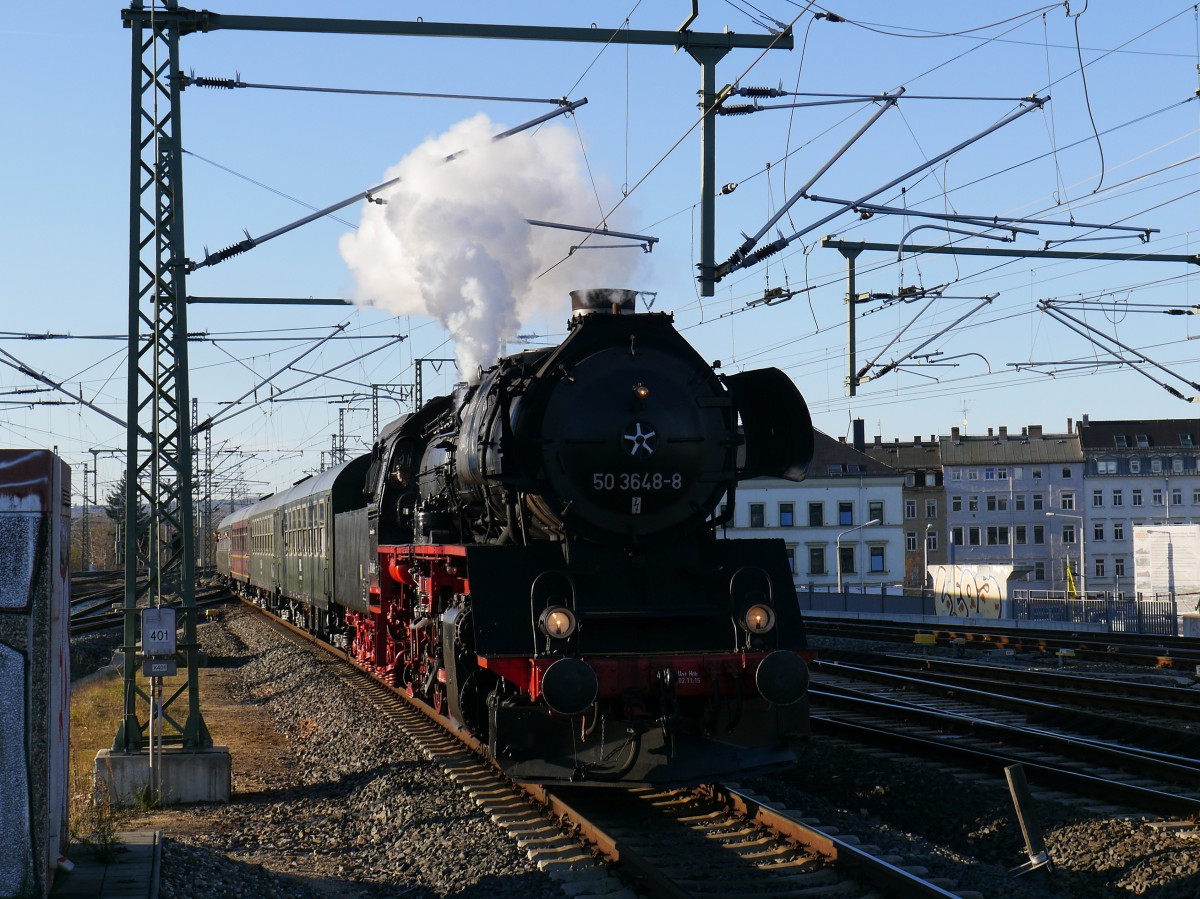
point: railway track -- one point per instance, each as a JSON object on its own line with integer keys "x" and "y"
{"x": 701, "y": 842}
{"x": 1150, "y": 768}
{"x": 1118, "y": 648}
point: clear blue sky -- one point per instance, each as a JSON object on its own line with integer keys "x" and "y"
{"x": 64, "y": 164}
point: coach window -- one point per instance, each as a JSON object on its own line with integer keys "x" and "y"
{"x": 757, "y": 517}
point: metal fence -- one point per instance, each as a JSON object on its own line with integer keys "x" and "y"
{"x": 1117, "y": 612}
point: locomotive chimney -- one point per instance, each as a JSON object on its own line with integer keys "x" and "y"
{"x": 612, "y": 300}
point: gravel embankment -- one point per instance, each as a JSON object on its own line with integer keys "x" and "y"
{"x": 343, "y": 805}
{"x": 962, "y": 827}
{"x": 353, "y": 809}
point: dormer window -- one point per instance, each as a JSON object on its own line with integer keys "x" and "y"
{"x": 1120, "y": 441}
{"x": 1143, "y": 441}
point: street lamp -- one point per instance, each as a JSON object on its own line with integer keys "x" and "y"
{"x": 925, "y": 570}
{"x": 1082, "y": 551}
{"x": 838, "y": 544}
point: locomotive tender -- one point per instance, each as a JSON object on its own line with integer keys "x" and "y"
{"x": 536, "y": 556}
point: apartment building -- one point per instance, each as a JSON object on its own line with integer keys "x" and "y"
{"x": 923, "y": 498}
{"x": 1139, "y": 472}
{"x": 1016, "y": 499}
{"x": 844, "y": 522}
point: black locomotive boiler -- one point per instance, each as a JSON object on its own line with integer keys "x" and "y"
{"x": 538, "y": 557}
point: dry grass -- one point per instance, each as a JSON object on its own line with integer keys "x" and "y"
{"x": 95, "y": 717}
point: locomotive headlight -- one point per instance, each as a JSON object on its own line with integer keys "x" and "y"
{"x": 557, "y": 622}
{"x": 641, "y": 391}
{"x": 758, "y": 619}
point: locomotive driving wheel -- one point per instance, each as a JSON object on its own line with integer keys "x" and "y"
{"x": 437, "y": 698}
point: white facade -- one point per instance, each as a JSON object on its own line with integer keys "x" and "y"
{"x": 820, "y": 515}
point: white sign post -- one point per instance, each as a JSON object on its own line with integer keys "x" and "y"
{"x": 158, "y": 651}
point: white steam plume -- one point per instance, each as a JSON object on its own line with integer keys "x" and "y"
{"x": 452, "y": 241}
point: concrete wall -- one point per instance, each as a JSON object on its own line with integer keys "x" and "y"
{"x": 35, "y": 672}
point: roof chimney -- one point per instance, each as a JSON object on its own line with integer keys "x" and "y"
{"x": 860, "y": 435}
{"x": 1083, "y": 420}
{"x": 917, "y": 440}
{"x": 1004, "y": 431}
{"x": 1035, "y": 431}
{"x": 954, "y": 433}
{"x": 1070, "y": 426}
{"x": 879, "y": 440}
{"x": 990, "y": 434}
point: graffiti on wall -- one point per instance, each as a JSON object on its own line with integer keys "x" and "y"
{"x": 970, "y": 591}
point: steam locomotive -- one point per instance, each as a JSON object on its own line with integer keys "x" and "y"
{"x": 537, "y": 557}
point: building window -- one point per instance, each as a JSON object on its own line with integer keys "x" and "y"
{"x": 1100, "y": 567}
{"x": 956, "y": 502}
{"x": 1019, "y": 535}
{"x": 1001, "y": 474}
{"x": 1066, "y": 501}
{"x": 1143, "y": 441}
{"x": 972, "y": 474}
{"x": 877, "y": 561}
{"x": 931, "y": 541}
{"x": 956, "y": 474}
{"x": 1177, "y": 466}
{"x": 910, "y": 509}
{"x": 1039, "y": 571}
{"x": 1098, "y": 531}
{"x": 910, "y": 541}
{"x": 1018, "y": 472}
{"x": 956, "y": 536}
{"x": 1118, "y": 498}
{"x": 787, "y": 515}
{"x": 997, "y": 503}
{"x": 875, "y": 510}
{"x": 757, "y": 516}
{"x": 816, "y": 515}
{"x": 1156, "y": 465}
{"x": 846, "y": 559}
{"x": 791, "y": 557}
{"x": 1106, "y": 466}
{"x": 989, "y": 474}
{"x": 816, "y": 560}
{"x": 997, "y": 535}
{"x": 910, "y": 480}
{"x": 1066, "y": 473}
{"x": 845, "y": 514}
{"x": 1019, "y": 502}
{"x": 1097, "y": 499}
{"x": 1068, "y": 533}
{"x": 972, "y": 503}
{"x": 1156, "y": 496}
{"x": 1135, "y": 466}
{"x": 973, "y": 536}
{"x": 1039, "y": 534}
{"x": 1137, "y": 497}
{"x": 931, "y": 508}
{"x": 931, "y": 479}
{"x": 1177, "y": 496}
{"x": 1037, "y": 474}
{"x": 1196, "y": 496}
{"x": 1120, "y": 441}
{"x": 1185, "y": 440}
{"x": 1119, "y": 566}
{"x": 1037, "y": 502}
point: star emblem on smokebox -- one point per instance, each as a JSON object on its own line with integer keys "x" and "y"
{"x": 640, "y": 440}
